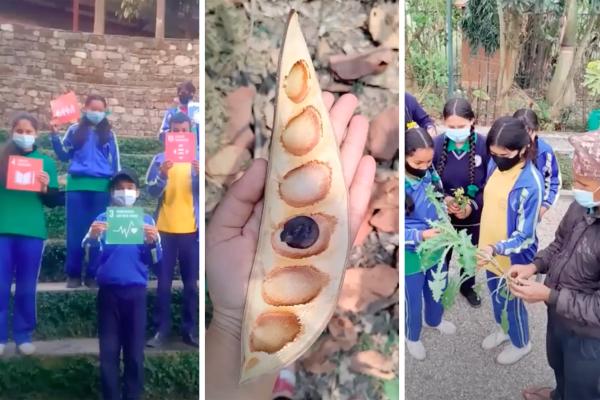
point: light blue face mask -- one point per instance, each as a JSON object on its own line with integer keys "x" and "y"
{"x": 458, "y": 135}
{"x": 95, "y": 116}
{"x": 585, "y": 198}
{"x": 124, "y": 198}
{"x": 24, "y": 142}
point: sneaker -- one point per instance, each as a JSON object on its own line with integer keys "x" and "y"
{"x": 191, "y": 340}
{"x": 2, "y": 348}
{"x": 511, "y": 354}
{"x": 157, "y": 341}
{"x": 26, "y": 348}
{"x": 445, "y": 327}
{"x": 91, "y": 283}
{"x": 73, "y": 283}
{"x": 494, "y": 340}
{"x": 416, "y": 349}
{"x": 473, "y": 298}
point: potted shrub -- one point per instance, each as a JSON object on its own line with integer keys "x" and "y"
{"x": 592, "y": 83}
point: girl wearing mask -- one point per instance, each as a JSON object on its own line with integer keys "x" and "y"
{"x": 461, "y": 160}
{"x": 185, "y": 93}
{"x": 544, "y": 158}
{"x": 92, "y": 150}
{"x": 22, "y": 234}
{"x": 418, "y": 210}
{"x": 512, "y": 200}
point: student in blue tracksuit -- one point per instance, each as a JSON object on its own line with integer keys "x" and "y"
{"x": 545, "y": 159}
{"x": 185, "y": 93}
{"x": 418, "y": 210}
{"x": 122, "y": 279}
{"x": 91, "y": 148}
{"x": 512, "y": 201}
{"x": 22, "y": 234}
{"x": 177, "y": 215}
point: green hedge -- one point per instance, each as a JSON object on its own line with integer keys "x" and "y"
{"x": 172, "y": 376}
{"x": 72, "y": 314}
{"x": 566, "y": 170}
{"x": 127, "y": 145}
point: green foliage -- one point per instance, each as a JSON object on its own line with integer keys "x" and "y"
{"x": 167, "y": 377}
{"x": 73, "y": 314}
{"x": 566, "y": 170}
{"x": 449, "y": 295}
{"x": 592, "y": 78}
{"x": 460, "y": 198}
{"x": 481, "y": 25}
{"x": 391, "y": 389}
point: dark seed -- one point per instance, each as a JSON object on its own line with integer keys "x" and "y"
{"x": 300, "y": 232}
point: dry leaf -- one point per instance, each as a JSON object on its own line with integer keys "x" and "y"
{"x": 384, "y": 131}
{"x": 386, "y": 193}
{"x": 245, "y": 139}
{"x": 364, "y": 230}
{"x": 227, "y": 161}
{"x": 362, "y": 286}
{"x": 384, "y": 25}
{"x": 342, "y": 329}
{"x": 318, "y": 361}
{"x": 387, "y": 220}
{"x": 373, "y": 363}
{"x": 354, "y": 66}
{"x": 238, "y": 105}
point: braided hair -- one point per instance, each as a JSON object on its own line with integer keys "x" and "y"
{"x": 415, "y": 139}
{"x": 530, "y": 119}
{"x": 460, "y": 108}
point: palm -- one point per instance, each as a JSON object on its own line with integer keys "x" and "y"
{"x": 232, "y": 234}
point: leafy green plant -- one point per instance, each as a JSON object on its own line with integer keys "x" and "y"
{"x": 443, "y": 286}
{"x": 592, "y": 78}
{"x": 460, "y": 198}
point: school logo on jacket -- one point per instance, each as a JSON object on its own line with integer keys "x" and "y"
{"x": 478, "y": 160}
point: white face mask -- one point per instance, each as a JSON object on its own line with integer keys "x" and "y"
{"x": 458, "y": 135}
{"x": 124, "y": 198}
{"x": 24, "y": 142}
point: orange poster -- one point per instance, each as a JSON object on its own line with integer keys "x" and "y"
{"x": 65, "y": 109}
{"x": 23, "y": 173}
{"x": 180, "y": 147}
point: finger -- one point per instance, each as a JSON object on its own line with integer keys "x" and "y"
{"x": 237, "y": 205}
{"x": 353, "y": 147}
{"x": 328, "y": 99}
{"x": 360, "y": 193}
{"x": 252, "y": 228}
{"x": 341, "y": 113}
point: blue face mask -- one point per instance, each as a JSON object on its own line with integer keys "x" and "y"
{"x": 458, "y": 135}
{"x": 24, "y": 142}
{"x": 585, "y": 198}
{"x": 95, "y": 116}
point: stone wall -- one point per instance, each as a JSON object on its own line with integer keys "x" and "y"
{"x": 138, "y": 76}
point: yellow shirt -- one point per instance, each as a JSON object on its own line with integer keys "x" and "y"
{"x": 494, "y": 215}
{"x": 177, "y": 209}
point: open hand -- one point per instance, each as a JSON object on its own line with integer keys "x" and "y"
{"x": 44, "y": 180}
{"x": 484, "y": 256}
{"x": 530, "y": 291}
{"x": 232, "y": 234}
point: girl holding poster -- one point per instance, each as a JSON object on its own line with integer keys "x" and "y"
{"x": 91, "y": 148}
{"x": 22, "y": 227}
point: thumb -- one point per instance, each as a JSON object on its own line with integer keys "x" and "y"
{"x": 237, "y": 205}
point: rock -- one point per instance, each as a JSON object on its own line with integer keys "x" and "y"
{"x": 182, "y": 61}
{"x": 76, "y": 61}
{"x": 6, "y": 27}
{"x": 384, "y": 25}
{"x": 384, "y": 131}
{"x": 354, "y": 66}
{"x": 165, "y": 70}
{"x": 98, "y": 55}
{"x": 32, "y": 93}
{"x": 373, "y": 363}
{"x": 363, "y": 286}
{"x": 37, "y": 54}
{"x": 238, "y": 106}
{"x": 80, "y": 54}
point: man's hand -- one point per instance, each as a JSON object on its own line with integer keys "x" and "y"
{"x": 97, "y": 229}
{"x": 530, "y": 291}
{"x": 150, "y": 234}
{"x": 165, "y": 167}
{"x": 521, "y": 272}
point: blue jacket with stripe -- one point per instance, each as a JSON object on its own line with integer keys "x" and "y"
{"x": 423, "y": 211}
{"x": 524, "y": 203}
{"x": 547, "y": 164}
{"x": 91, "y": 159}
{"x": 166, "y": 122}
{"x": 156, "y": 185}
{"x": 123, "y": 264}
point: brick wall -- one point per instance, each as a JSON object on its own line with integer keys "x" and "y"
{"x": 477, "y": 68}
{"x": 138, "y": 76}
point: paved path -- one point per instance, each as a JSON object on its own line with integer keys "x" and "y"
{"x": 457, "y": 368}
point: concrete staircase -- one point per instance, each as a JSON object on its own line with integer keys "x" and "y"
{"x": 65, "y": 365}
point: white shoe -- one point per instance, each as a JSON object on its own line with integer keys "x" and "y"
{"x": 494, "y": 340}
{"x": 26, "y": 349}
{"x": 2, "y": 347}
{"x": 445, "y": 327}
{"x": 416, "y": 349}
{"x": 511, "y": 354}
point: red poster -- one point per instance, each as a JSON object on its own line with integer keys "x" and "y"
{"x": 65, "y": 109}
{"x": 180, "y": 147}
{"x": 23, "y": 173}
